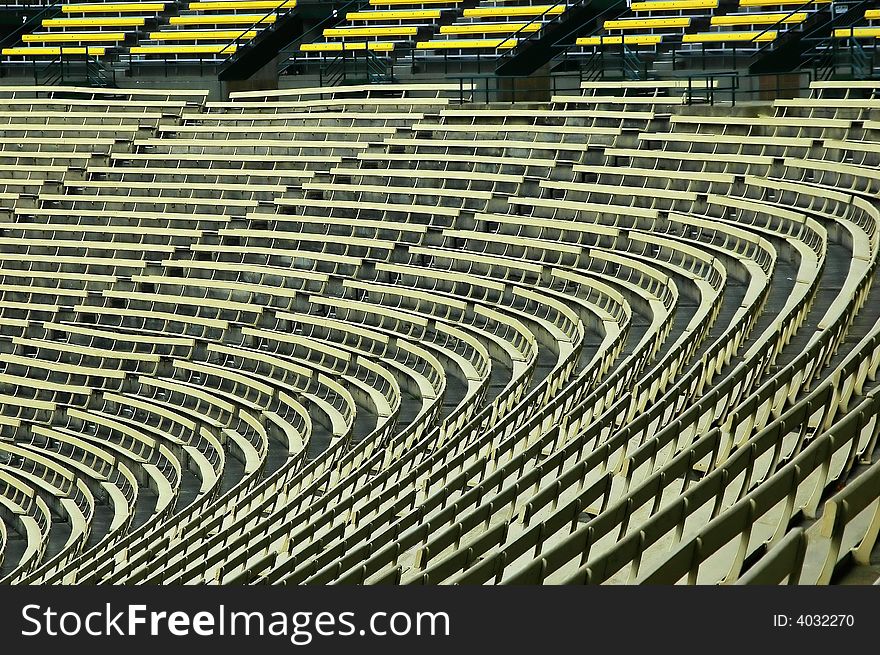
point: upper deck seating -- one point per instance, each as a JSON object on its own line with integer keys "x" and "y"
{"x": 697, "y": 26}
{"x": 210, "y": 30}
{"x": 88, "y": 28}
{"x": 491, "y": 27}
{"x": 868, "y": 30}
{"x": 383, "y": 27}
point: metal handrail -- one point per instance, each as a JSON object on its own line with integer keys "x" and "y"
{"x": 469, "y": 88}
{"x": 272, "y": 12}
{"x": 860, "y": 5}
{"x": 736, "y": 77}
{"x": 544, "y": 23}
{"x": 39, "y": 70}
{"x": 755, "y": 54}
{"x": 816, "y": 59}
{"x": 820, "y": 60}
{"x": 600, "y": 19}
{"x": 781, "y": 20}
{"x": 57, "y": 66}
{"x": 317, "y": 27}
{"x": 771, "y": 27}
{"x": 27, "y": 25}
{"x": 857, "y": 57}
{"x": 536, "y": 35}
{"x": 338, "y": 69}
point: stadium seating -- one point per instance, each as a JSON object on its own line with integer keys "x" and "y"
{"x": 439, "y": 28}
{"x": 210, "y": 30}
{"x": 97, "y": 29}
{"x": 387, "y": 334}
{"x": 491, "y": 27}
{"x": 688, "y": 27}
{"x": 869, "y": 30}
{"x": 383, "y": 26}
{"x": 143, "y": 30}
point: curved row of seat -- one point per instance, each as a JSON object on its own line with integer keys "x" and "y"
{"x": 366, "y": 334}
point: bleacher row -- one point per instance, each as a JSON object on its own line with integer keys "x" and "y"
{"x": 372, "y": 334}
{"x": 868, "y": 29}
{"x": 495, "y": 26}
{"x": 437, "y": 25}
{"x": 206, "y": 29}
{"x": 145, "y": 29}
{"x": 704, "y": 24}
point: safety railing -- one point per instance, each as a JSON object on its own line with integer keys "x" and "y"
{"x": 488, "y": 88}
{"x": 735, "y": 52}
{"x": 732, "y": 87}
{"x": 553, "y": 20}
{"x": 282, "y": 9}
{"x": 288, "y": 55}
{"x": 598, "y": 61}
{"x": 605, "y": 61}
{"x": 823, "y": 55}
{"x": 782, "y": 21}
{"x": 356, "y": 67}
{"x": 79, "y": 68}
{"x": 30, "y": 25}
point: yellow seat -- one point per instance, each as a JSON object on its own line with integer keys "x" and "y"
{"x": 872, "y": 14}
{"x": 370, "y": 31}
{"x": 647, "y": 23}
{"x": 490, "y": 28}
{"x": 466, "y": 44}
{"x": 417, "y": 14}
{"x": 132, "y": 21}
{"x": 232, "y": 19}
{"x": 196, "y": 35}
{"x": 759, "y": 19}
{"x": 113, "y": 8}
{"x": 206, "y": 49}
{"x": 857, "y": 32}
{"x": 770, "y": 3}
{"x": 414, "y": 2}
{"x": 339, "y": 46}
{"x": 535, "y": 10}
{"x": 222, "y": 5}
{"x": 630, "y": 39}
{"x": 68, "y": 50}
{"x": 73, "y": 37}
{"x": 718, "y": 37}
{"x": 674, "y": 5}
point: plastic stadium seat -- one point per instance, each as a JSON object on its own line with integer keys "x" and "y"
{"x": 458, "y": 44}
{"x": 673, "y": 5}
{"x": 113, "y": 8}
{"x": 709, "y": 37}
{"x": 641, "y": 23}
{"x": 514, "y": 11}
{"x": 752, "y": 18}
{"x": 634, "y": 39}
{"x": 857, "y": 32}
{"x": 94, "y": 22}
{"x": 214, "y": 29}
{"x": 408, "y": 14}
